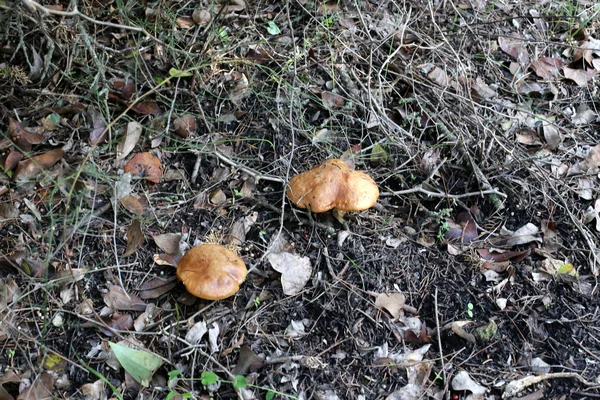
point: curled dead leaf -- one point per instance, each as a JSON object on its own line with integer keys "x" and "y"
{"x": 332, "y": 101}
{"x": 185, "y": 126}
{"x": 31, "y": 168}
{"x": 145, "y": 165}
{"x": 117, "y": 299}
{"x": 135, "y": 237}
{"x": 21, "y": 136}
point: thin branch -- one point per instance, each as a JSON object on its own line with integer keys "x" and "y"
{"x": 34, "y": 5}
{"x": 419, "y": 189}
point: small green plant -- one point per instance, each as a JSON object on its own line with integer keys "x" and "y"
{"x": 256, "y": 302}
{"x": 240, "y": 382}
{"x": 273, "y": 29}
{"x": 444, "y": 227}
{"x": 470, "y": 310}
{"x": 172, "y": 382}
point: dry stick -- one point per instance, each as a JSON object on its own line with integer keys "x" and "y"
{"x": 34, "y": 5}
{"x": 254, "y": 174}
{"x": 437, "y": 327}
{"x": 514, "y": 387}
{"x": 419, "y": 189}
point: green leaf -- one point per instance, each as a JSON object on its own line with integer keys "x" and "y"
{"x": 240, "y": 382}
{"x": 139, "y": 364}
{"x": 186, "y": 395}
{"x": 379, "y": 155}
{"x": 270, "y": 395}
{"x": 170, "y": 395}
{"x": 273, "y": 29}
{"x": 174, "y": 374}
{"x": 208, "y": 378}
{"x": 567, "y": 269}
{"x": 176, "y": 73}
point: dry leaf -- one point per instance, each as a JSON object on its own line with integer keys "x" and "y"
{"x": 201, "y": 17}
{"x": 21, "y": 136}
{"x": 157, "y": 287}
{"x": 552, "y": 136}
{"x": 145, "y": 165}
{"x": 125, "y": 87}
{"x": 580, "y": 76}
{"x": 129, "y": 140}
{"x": 514, "y": 46}
{"x": 462, "y": 381}
{"x": 393, "y": 302}
{"x": 196, "y": 333}
{"x": 33, "y": 167}
{"x": 332, "y": 101}
{"x": 12, "y": 160}
{"x": 440, "y": 77}
{"x": 40, "y": 389}
{"x": 117, "y": 299}
{"x": 135, "y": 238}
{"x": 134, "y": 204}
{"x": 584, "y": 115}
{"x": 168, "y": 242}
{"x": 146, "y": 108}
{"x": 547, "y": 67}
{"x": 185, "y": 126}
{"x": 248, "y": 362}
{"x": 167, "y": 259}
{"x": 93, "y": 391}
{"x": 295, "y": 271}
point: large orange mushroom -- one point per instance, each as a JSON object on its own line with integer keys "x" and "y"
{"x": 333, "y": 185}
{"x": 211, "y": 271}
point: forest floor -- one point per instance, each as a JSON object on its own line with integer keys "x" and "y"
{"x": 132, "y": 131}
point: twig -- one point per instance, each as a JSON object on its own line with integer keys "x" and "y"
{"x": 254, "y": 174}
{"x": 439, "y": 339}
{"x": 34, "y": 5}
{"x": 514, "y": 387}
{"x": 419, "y": 189}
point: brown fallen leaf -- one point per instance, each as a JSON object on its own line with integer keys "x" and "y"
{"x": 393, "y": 302}
{"x": 117, "y": 299}
{"x": 185, "y": 126}
{"x": 21, "y": 136}
{"x": 580, "y": 76}
{"x": 135, "y": 237}
{"x": 118, "y": 321}
{"x": 31, "y": 168}
{"x": 168, "y": 242}
{"x": 496, "y": 256}
{"x": 134, "y": 204}
{"x": 463, "y": 230}
{"x": 514, "y": 46}
{"x": 125, "y": 87}
{"x": 146, "y": 108}
{"x": 167, "y": 259}
{"x": 40, "y": 389}
{"x": 547, "y": 67}
{"x": 12, "y": 160}
{"x": 156, "y": 287}
{"x": 129, "y": 140}
{"x": 248, "y": 362}
{"x": 332, "y": 101}
{"x": 145, "y": 165}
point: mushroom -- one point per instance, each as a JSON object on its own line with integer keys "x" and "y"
{"x": 211, "y": 271}
{"x": 333, "y": 185}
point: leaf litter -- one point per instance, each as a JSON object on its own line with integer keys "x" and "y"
{"x": 519, "y": 144}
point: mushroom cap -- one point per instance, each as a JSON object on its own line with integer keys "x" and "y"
{"x": 211, "y": 271}
{"x": 333, "y": 185}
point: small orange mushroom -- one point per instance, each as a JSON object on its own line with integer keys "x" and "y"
{"x": 211, "y": 271}
{"x": 333, "y": 185}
